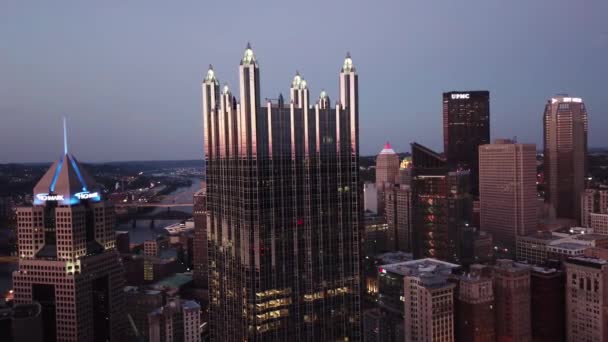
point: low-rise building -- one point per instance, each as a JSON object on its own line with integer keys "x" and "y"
{"x": 586, "y": 299}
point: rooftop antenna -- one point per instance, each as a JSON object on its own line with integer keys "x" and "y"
{"x": 65, "y": 136}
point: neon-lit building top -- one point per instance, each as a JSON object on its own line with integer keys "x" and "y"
{"x": 67, "y": 183}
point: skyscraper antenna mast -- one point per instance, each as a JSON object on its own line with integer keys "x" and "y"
{"x": 65, "y": 136}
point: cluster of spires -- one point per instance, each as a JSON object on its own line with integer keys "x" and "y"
{"x": 298, "y": 83}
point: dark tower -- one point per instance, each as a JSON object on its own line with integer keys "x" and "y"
{"x": 441, "y": 207}
{"x": 466, "y": 125}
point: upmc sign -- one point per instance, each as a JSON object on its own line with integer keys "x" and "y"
{"x": 460, "y": 96}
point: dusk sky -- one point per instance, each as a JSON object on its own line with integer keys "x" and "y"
{"x": 127, "y": 74}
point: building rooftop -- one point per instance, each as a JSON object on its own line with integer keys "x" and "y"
{"x": 420, "y": 267}
{"x": 394, "y": 257}
{"x": 572, "y": 246}
{"x": 388, "y": 149}
{"x": 66, "y": 182}
{"x": 175, "y": 281}
{"x": 587, "y": 261}
{"x": 190, "y": 304}
{"x": 541, "y": 236}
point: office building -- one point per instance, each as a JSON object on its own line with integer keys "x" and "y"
{"x": 7, "y": 209}
{"x": 152, "y": 248}
{"x": 428, "y": 300}
{"x": 404, "y": 176}
{"x": 565, "y": 155}
{"x": 22, "y": 322}
{"x": 398, "y": 213}
{"x": 593, "y": 201}
{"x": 512, "y": 298}
{"x": 370, "y": 197}
{"x": 599, "y": 223}
{"x": 547, "y": 304}
{"x": 441, "y": 206}
{"x": 199, "y": 213}
{"x": 376, "y": 234}
{"x": 123, "y": 242}
{"x": 178, "y": 320}
{"x": 586, "y": 299}
{"x": 466, "y": 126}
{"x": 475, "y": 308}
{"x": 539, "y": 247}
{"x": 507, "y": 190}
{"x": 284, "y": 211}
{"x": 139, "y": 303}
{"x": 379, "y": 327}
{"x": 387, "y": 170}
{"x": 67, "y": 259}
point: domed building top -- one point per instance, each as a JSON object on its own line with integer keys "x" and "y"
{"x": 323, "y": 94}
{"x": 297, "y": 79}
{"x": 248, "y": 56}
{"x": 225, "y": 89}
{"x": 348, "y": 64}
{"x": 211, "y": 75}
{"x": 298, "y": 82}
{"x": 388, "y": 149}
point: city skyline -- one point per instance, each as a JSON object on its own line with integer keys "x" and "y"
{"x": 111, "y": 75}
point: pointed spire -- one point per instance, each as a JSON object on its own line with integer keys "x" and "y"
{"x": 65, "y": 136}
{"x": 248, "y": 56}
{"x": 348, "y": 64}
{"x": 210, "y": 77}
{"x": 297, "y": 79}
{"x": 226, "y": 89}
{"x": 388, "y": 149}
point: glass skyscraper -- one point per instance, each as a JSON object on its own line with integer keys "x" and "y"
{"x": 284, "y": 210}
{"x": 466, "y": 126}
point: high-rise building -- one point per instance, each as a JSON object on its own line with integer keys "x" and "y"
{"x": 67, "y": 259}
{"x": 593, "y": 201}
{"x": 428, "y": 302}
{"x": 466, "y": 126}
{"x": 599, "y": 223}
{"x": 178, "y": 320}
{"x": 22, "y": 322}
{"x": 284, "y": 211}
{"x": 475, "y": 308}
{"x": 547, "y": 303}
{"x": 586, "y": 299}
{"x": 512, "y": 297}
{"x": 370, "y": 197}
{"x": 123, "y": 242}
{"x": 404, "y": 176}
{"x": 387, "y": 170}
{"x": 398, "y": 212}
{"x": 139, "y": 303}
{"x": 199, "y": 213}
{"x": 565, "y": 163}
{"x": 507, "y": 190}
{"x": 441, "y": 206}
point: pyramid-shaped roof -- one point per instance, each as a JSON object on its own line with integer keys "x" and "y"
{"x": 388, "y": 149}
{"x": 66, "y": 182}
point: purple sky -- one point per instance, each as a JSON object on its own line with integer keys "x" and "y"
{"x": 127, "y": 74}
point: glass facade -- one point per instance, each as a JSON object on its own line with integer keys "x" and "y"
{"x": 284, "y": 221}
